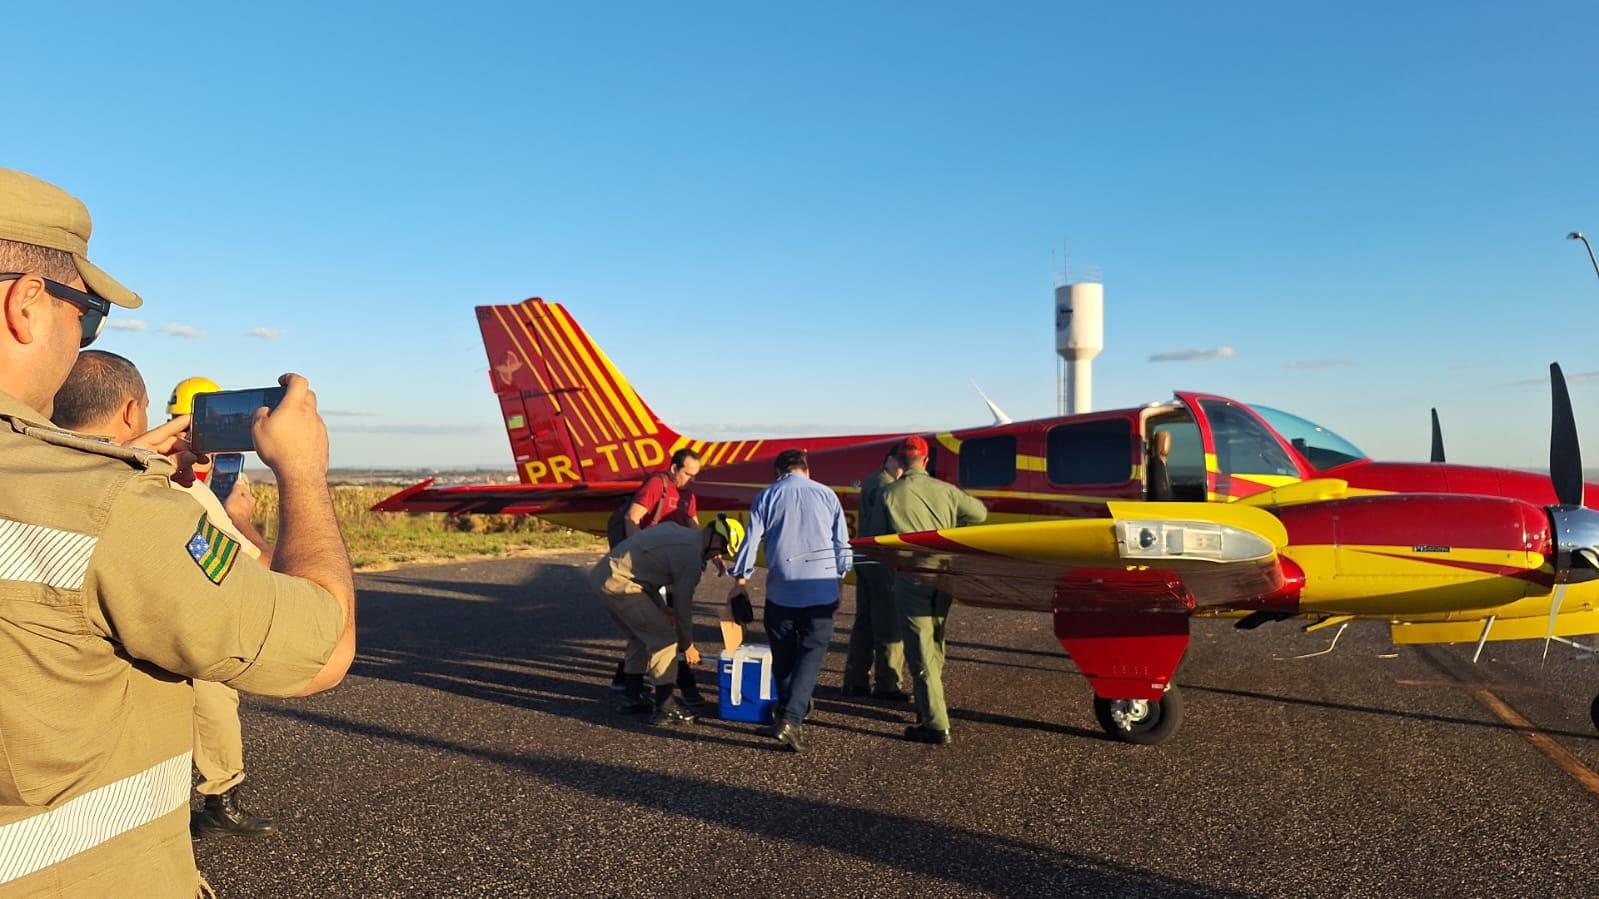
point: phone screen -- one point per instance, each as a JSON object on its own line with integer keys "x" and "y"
{"x": 222, "y": 420}
{"x": 225, "y": 469}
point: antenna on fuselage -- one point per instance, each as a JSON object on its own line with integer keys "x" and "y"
{"x": 1000, "y": 418}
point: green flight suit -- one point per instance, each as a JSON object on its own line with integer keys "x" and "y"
{"x": 877, "y": 640}
{"x": 920, "y": 502}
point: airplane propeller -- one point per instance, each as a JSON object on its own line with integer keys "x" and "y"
{"x": 1437, "y": 438}
{"x": 1565, "y": 456}
{"x": 1575, "y": 528}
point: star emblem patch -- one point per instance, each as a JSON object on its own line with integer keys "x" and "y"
{"x": 212, "y": 550}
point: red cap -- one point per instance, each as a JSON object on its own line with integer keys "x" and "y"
{"x": 912, "y": 446}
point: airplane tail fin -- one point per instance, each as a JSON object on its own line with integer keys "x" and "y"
{"x": 570, "y": 414}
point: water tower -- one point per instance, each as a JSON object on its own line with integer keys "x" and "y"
{"x": 1079, "y": 336}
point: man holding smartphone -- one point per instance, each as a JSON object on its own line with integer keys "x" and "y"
{"x": 118, "y": 590}
{"x": 105, "y": 396}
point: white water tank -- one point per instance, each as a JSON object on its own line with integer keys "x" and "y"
{"x": 1079, "y": 337}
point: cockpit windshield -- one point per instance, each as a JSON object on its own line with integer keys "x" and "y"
{"x": 1321, "y": 447}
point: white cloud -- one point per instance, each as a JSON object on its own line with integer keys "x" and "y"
{"x": 410, "y": 429}
{"x": 1575, "y": 377}
{"x": 126, "y": 324}
{"x": 176, "y": 330}
{"x": 1312, "y": 364}
{"x": 265, "y": 333}
{"x": 1222, "y": 352}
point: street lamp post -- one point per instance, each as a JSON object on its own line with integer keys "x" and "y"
{"x": 1577, "y": 235}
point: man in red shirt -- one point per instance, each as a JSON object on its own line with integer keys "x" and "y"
{"x": 664, "y": 496}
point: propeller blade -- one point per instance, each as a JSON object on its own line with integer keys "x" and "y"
{"x": 1554, "y": 613}
{"x": 1437, "y": 438}
{"x": 1565, "y": 456}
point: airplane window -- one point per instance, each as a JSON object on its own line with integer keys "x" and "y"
{"x": 1321, "y": 447}
{"x": 1093, "y": 452}
{"x": 1243, "y": 445}
{"x": 988, "y": 461}
{"x": 1185, "y": 468}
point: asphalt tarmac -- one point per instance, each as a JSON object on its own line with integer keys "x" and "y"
{"x": 475, "y": 751}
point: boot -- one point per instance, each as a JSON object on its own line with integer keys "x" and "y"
{"x": 668, "y": 712}
{"x": 635, "y": 699}
{"x": 222, "y": 815}
{"x": 688, "y": 691}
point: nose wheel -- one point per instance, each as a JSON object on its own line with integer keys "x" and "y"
{"x": 1150, "y": 722}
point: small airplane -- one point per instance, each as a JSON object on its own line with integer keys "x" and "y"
{"x": 1122, "y": 524}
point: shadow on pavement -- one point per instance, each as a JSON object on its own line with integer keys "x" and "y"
{"x": 997, "y": 865}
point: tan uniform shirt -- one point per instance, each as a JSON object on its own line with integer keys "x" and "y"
{"x": 114, "y": 590}
{"x": 665, "y": 555}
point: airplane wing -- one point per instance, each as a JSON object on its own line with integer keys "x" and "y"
{"x": 1146, "y": 557}
{"x": 504, "y": 499}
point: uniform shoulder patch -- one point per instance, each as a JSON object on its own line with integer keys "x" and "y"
{"x": 212, "y": 550}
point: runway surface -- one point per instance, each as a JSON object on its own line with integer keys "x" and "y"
{"x": 475, "y": 751}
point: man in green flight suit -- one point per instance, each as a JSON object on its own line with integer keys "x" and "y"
{"x": 920, "y": 502}
{"x": 877, "y": 641}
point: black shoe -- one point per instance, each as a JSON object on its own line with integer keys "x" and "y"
{"x": 636, "y": 705}
{"x": 692, "y": 701}
{"x": 222, "y": 815}
{"x": 672, "y": 716}
{"x": 919, "y": 734}
{"x": 788, "y": 734}
{"x": 892, "y": 694}
{"x": 855, "y": 692}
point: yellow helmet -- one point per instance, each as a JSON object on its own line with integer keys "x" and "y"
{"x": 182, "y": 401}
{"x": 731, "y": 533}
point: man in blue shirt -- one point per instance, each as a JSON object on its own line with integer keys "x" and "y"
{"x": 807, "y": 555}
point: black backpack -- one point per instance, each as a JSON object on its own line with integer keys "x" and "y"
{"x": 616, "y": 525}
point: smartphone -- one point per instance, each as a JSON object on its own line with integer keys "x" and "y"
{"x": 222, "y": 420}
{"x": 225, "y": 469}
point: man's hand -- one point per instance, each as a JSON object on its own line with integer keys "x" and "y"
{"x": 240, "y": 504}
{"x": 738, "y": 587}
{"x": 164, "y": 440}
{"x": 292, "y": 439}
{"x": 692, "y": 654}
{"x": 170, "y": 440}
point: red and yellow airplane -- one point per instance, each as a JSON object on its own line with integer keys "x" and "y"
{"x": 1121, "y": 524}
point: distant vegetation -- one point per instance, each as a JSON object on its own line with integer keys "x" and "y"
{"x": 379, "y": 540}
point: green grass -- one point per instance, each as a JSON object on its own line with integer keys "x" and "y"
{"x": 385, "y": 539}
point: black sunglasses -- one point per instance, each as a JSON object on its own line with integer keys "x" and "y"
{"x": 95, "y": 309}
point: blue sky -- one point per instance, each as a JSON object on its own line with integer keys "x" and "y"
{"x": 1367, "y": 204}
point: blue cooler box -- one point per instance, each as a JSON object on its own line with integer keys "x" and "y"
{"x": 746, "y": 680}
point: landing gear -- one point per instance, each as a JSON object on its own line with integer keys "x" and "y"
{"x": 1148, "y": 723}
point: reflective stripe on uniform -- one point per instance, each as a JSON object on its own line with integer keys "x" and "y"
{"x": 86, "y": 821}
{"x": 41, "y": 555}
